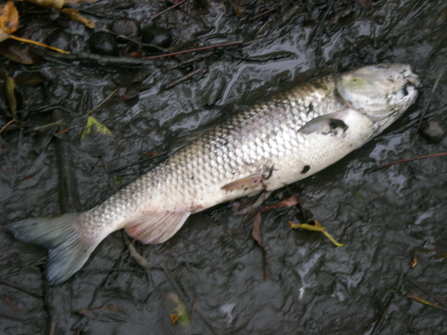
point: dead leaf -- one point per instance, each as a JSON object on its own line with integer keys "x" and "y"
{"x": 179, "y": 315}
{"x": 9, "y": 20}
{"x": 58, "y": 4}
{"x": 414, "y": 262}
{"x": 76, "y": 16}
{"x": 79, "y": 1}
{"x": 256, "y": 234}
{"x": 19, "y": 53}
{"x": 10, "y": 87}
{"x": 3, "y": 36}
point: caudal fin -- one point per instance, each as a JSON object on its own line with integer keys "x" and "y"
{"x": 68, "y": 250}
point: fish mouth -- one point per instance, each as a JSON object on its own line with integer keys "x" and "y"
{"x": 412, "y": 82}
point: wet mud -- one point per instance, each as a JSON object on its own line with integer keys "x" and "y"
{"x": 389, "y": 278}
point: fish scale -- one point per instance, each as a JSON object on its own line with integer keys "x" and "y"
{"x": 273, "y": 144}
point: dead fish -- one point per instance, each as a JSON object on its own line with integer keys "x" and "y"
{"x": 273, "y": 144}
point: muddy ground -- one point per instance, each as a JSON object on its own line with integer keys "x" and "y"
{"x": 392, "y": 220}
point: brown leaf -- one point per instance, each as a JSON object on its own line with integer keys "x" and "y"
{"x": 19, "y": 53}
{"x": 76, "y": 16}
{"x": 256, "y": 234}
{"x": 9, "y": 18}
{"x": 58, "y": 4}
{"x": 79, "y": 1}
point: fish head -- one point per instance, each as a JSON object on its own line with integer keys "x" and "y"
{"x": 383, "y": 92}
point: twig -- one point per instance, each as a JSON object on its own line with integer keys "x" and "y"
{"x": 425, "y": 302}
{"x": 184, "y": 78}
{"x": 153, "y": 17}
{"x": 53, "y": 328}
{"x": 45, "y": 126}
{"x": 133, "y": 40}
{"x": 135, "y": 254}
{"x": 410, "y": 159}
{"x": 39, "y": 44}
{"x": 101, "y": 103}
{"x": 428, "y": 102}
{"x": 415, "y": 284}
{"x": 20, "y": 288}
{"x": 265, "y": 13}
{"x": 106, "y": 167}
{"x": 174, "y": 283}
{"x": 195, "y": 50}
{"x": 389, "y": 298}
{"x": 83, "y": 56}
{"x": 193, "y": 308}
{"x": 6, "y": 125}
{"x": 262, "y": 28}
{"x": 191, "y": 60}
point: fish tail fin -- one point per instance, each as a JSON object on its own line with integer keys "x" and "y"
{"x": 156, "y": 227}
{"x": 68, "y": 249}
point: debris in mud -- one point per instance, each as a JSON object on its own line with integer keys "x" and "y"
{"x": 178, "y": 313}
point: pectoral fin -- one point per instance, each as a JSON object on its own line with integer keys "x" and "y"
{"x": 326, "y": 124}
{"x": 250, "y": 181}
{"x": 156, "y": 227}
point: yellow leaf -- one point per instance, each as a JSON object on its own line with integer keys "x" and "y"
{"x": 93, "y": 126}
{"x": 76, "y": 16}
{"x": 9, "y": 18}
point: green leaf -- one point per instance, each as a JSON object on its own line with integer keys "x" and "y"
{"x": 93, "y": 126}
{"x": 10, "y": 86}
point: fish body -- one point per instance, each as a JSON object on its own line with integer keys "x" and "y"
{"x": 273, "y": 144}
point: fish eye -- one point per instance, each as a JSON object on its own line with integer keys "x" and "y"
{"x": 382, "y": 66}
{"x": 357, "y": 80}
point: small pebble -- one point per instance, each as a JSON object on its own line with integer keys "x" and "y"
{"x": 160, "y": 37}
{"x": 126, "y": 27}
{"x": 433, "y": 129}
{"x": 103, "y": 43}
{"x": 59, "y": 39}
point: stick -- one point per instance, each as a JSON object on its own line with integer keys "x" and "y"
{"x": 168, "y": 9}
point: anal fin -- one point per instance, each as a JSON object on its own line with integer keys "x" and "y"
{"x": 156, "y": 227}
